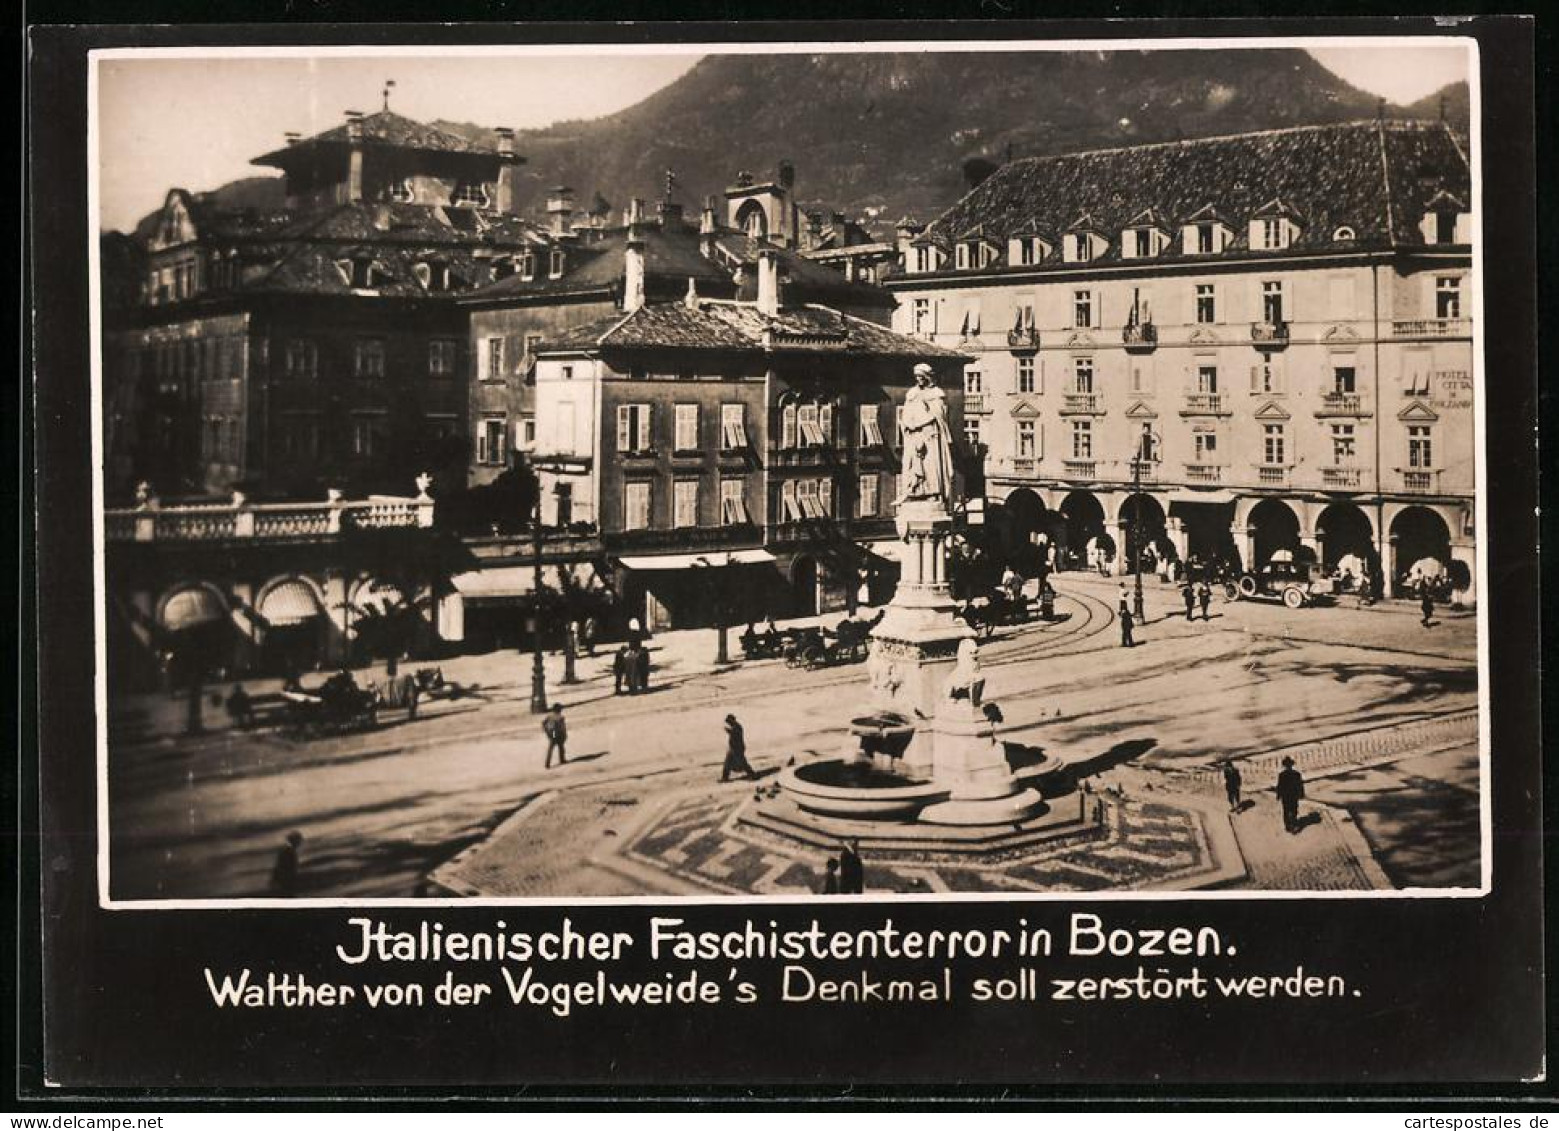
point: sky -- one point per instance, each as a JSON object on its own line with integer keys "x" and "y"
{"x": 193, "y": 123}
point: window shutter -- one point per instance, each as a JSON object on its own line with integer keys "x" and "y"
{"x": 624, "y": 440}
{"x": 825, "y": 422}
{"x": 1255, "y": 378}
{"x": 643, "y": 439}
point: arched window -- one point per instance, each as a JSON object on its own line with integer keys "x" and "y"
{"x": 752, "y": 220}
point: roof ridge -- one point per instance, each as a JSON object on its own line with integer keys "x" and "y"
{"x": 1353, "y": 123}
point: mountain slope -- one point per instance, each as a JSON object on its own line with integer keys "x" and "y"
{"x": 885, "y": 135}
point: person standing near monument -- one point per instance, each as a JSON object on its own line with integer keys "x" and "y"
{"x": 927, "y": 467}
{"x": 556, "y": 731}
{"x": 852, "y": 873}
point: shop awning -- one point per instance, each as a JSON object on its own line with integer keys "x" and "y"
{"x": 500, "y": 581}
{"x": 189, "y": 608}
{"x": 698, "y": 561}
{"x": 291, "y": 602}
{"x": 1216, "y": 497}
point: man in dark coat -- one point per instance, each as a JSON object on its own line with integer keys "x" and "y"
{"x": 556, "y": 731}
{"x": 1231, "y": 785}
{"x": 1290, "y": 791}
{"x": 1425, "y": 603}
{"x": 1188, "y": 595}
{"x": 284, "y": 875}
{"x": 1204, "y": 597}
{"x": 619, "y": 670}
{"x": 852, "y": 874}
{"x": 1127, "y": 622}
{"x": 830, "y": 885}
{"x": 641, "y": 669}
{"x": 735, "y": 751}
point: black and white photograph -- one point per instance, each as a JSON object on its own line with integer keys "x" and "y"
{"x": 578, "y": 559}
{"x": 716, "y": 494}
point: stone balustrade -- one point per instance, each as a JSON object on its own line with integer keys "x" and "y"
{"x": 153, "y": 521}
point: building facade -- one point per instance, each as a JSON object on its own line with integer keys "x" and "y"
{"x": 1280, "y": 323}
{"x": 579, "y": 273}
{"x": 739, "y": 459}
{"x": 318, "y": 345}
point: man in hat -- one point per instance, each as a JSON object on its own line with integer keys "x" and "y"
{"x": 1231, "y": 785}
{"x": 1290, "y": 791}
{"x": 735, "y": 751}
{"x": 556, "y": 731}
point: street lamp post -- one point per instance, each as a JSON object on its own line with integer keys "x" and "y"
{"x": 722, "y": 645}
{"x": 1144, "y": 446}
{"x": 538, "y": 671}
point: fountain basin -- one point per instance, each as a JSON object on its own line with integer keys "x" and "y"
{"x": 835, "y": 787}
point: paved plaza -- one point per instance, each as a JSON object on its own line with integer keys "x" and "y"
{"x": 1379, "y": 713}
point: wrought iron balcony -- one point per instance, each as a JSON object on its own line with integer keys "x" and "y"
{"x": 1024, "y": 339}
{"x": 1341, "y": 404}
{"x": 1269, "y": 335}
{"x": 1204, "y": 404}
{"x": 1432, "y": 328}
{"x": 1341, "y": 478}
{"x": 1084, "y": 403}
{"x": 1141, "y": 337}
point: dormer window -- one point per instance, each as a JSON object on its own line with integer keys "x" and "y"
{"x": 1026, "y": 251}
{"x": 1344, "y": 234}
{"x": 528, "y": 266}
{"x": 359, "y": 274}
{"x": 923, "y": 258}
{"x": 1205, "y": 233}
{"x": 401, "y": 191}
{"x": 1206, "y": 239}
{"x": 471, "y": 194}
{"x": 432, "y": 276}
{"x": 1081, "y": 247}
{"x": 555, "y": 263}
{"x": 1273, "y": 227}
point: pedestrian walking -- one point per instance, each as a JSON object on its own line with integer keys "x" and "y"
{"x": 1127, "y": 623}
{"x": 587, "y": 631}
{"x": 1231, "y": 785}
{"x": 1425, "y": 603}
{"x": 1291, "y": 791}
{"x": 1123, "y": 603}
{"x": 852, "y": 873}
{"x": 1204, "y": 597}
{"x": 284, "y": 874}
{"x": 619, "y": 670}
{"x": 830, "y": 884}
{"x": 556, "y": 731}
{"x": 1188, "y": 595}
{"x": 641, "y": 669}
{"x": 735, "y": 751}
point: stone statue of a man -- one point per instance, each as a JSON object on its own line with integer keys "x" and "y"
{"x": 927, "y": 468}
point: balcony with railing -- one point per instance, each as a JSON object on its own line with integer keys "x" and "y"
{"x": 1140, "y": 337}
{"x": 1269, "y": 475}
{"x": 152, "y": 521}
{"x": 1342, "y": 404}
{"x": 809, "y": 455}
{"x": 1205, "y": 404}
{"x": 1203, "y": 473}
{"x": 1080, "y": 468}
{"x": 1420, "y": 480}
{"x": 1431, "y": 328}
{"x": 1342, "y": 478}
{"x": 1023, "y": 339}
{"x": 1022, "y": 465}
{"x": 976, "y": 403}
{"x": 1084, "y": 404}
{"x": 1269, "y": 334}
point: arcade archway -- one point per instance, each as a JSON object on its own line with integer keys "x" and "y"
{"x": 1274, "y": 527}
{"x": 1417, "y": 534}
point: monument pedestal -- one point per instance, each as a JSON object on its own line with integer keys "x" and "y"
{"x": 968, "y": 758}
{"x": 913, "y": 649}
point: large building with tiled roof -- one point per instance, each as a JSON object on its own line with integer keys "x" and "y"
{"x": 320, "y": 345}
{"x": 581, "y": 275}
{"x": 738, "y": 457}
{"x": 1286, "y": 316}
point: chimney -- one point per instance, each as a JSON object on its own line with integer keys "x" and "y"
{"x": 707, "y": 229}
{"x": 633, "y": 260}
{"x": 354, "y": 173}
{"x": 560, "y": 210}
{"x": 837, "y": 220}
{"x": 509, "y": 161}
{"x": 690, "y": 300}
{"x": 768, "y": 283}
{"x": 787, "y": 175}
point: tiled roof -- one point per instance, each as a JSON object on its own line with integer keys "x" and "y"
{"x": 723, "y": 326}
{"x": 669, "y": 257}
{"x": 1374, "y": 177}
{"x": 384, "y": 128}
{"x": 810, "y": 282}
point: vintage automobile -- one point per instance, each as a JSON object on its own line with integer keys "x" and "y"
{"x": 1297, "y": 584}
{"x": 999, "y": 608}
